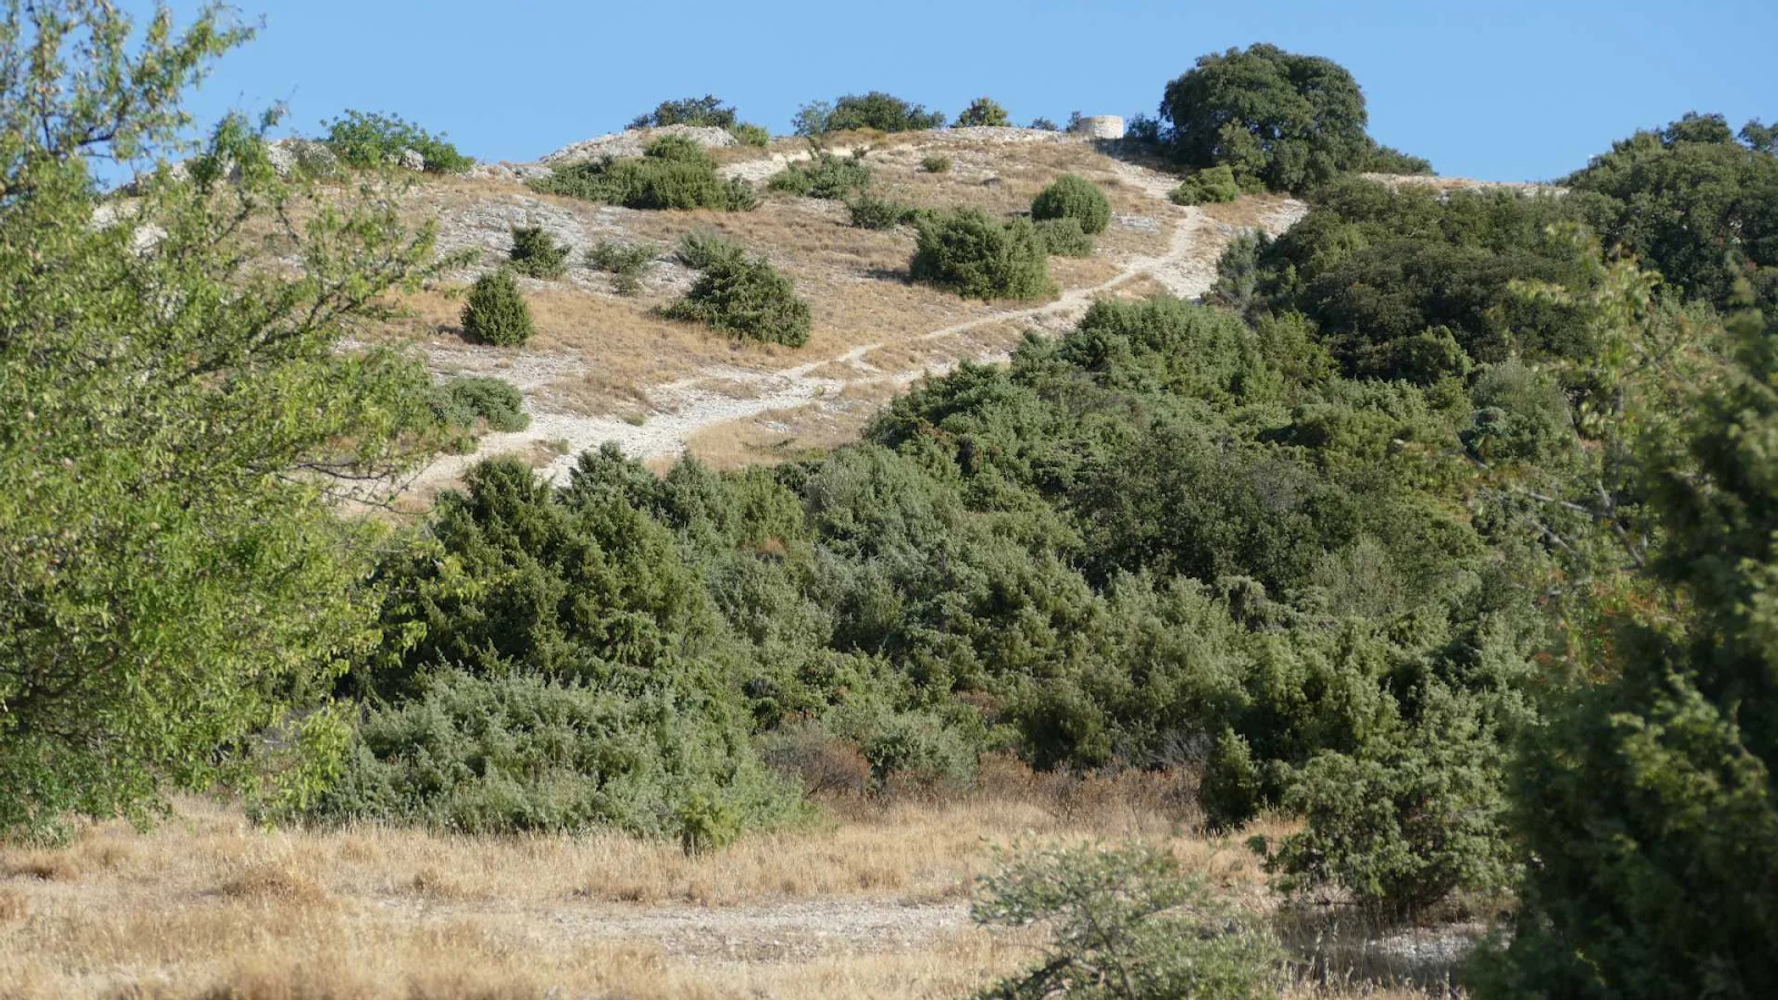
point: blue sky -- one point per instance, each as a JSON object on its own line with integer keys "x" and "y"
{"x": 1512, "y": 90}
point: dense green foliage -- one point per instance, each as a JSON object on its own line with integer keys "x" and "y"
{"x": 1128, "y": 924}
{"x": 982, "y": 257}
{"x": 1288, "y": 121}
{"x": 626, "y": 262}
{"x": 1212, "y": 185}
{"x": 1064, "y": 238}
{"x": 465, "y": 406}
{"x": 176, "y": 415}
{"x": 707, "y": 111}
{"x": 536, "y": 254}
{"x": 368, "y": 139}
{"x": 673, "y": 173}
{"x": 1074, "y": 197}
{"x": 867, "y": 211}
{"x": 496, "y": 312}
{"x": 749, "y": 134}
{"x": 742, "y": 294}
{"x": 935, "y": 164}
{"x": 827, "y": 176}
{"x": 983, "y": 111}
{"x": 875, "y": 110}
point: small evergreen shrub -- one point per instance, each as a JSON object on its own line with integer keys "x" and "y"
{"x": 871, "y": 212}
{"x": 367, "y": 139}
{"x": 1044, "y": 124}
{"x": 1065, "y": 238}
{"x": 701, "y": 249}
{"x": 1074, "y": 197}
{"x": 1210, "y": 186}
{"x": 496, "y": 312}
{"x": 982, "y": 257}
{"x": 743, "y": 295}
{"x": 536, "y": 254}
{"x": 707, "y": 111}
{"x": 936, "y": 164}
{"x": 826, "y": 176}
{"x": 467, "y": 406}
{"x": 674, "y": 173}
{"x": 875, "y": 110}
{"x": 749, "y": 134}
{"x": 625, "y": 262}
{"x": 1126, "y": 924}
{"x": 983, "y": 111}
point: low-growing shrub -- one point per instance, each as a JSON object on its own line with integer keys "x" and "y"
{"x": 980, "y": 256}
{"x": 749, "y": 134}
{"x": 367, "y": 139}
{"x": 496, "y": 312}
{"x": 1065, "y": 238}
{"x": 875, "y": 110}
{"x": 1074, "y": 197}
{"x": 707, "y": 111}
{"x": 826, "y": 176}
{"x": 467, "y": 406}
{"x": 1126, "y": 924}
{"x": 536, "y": 254}
{"x": 871, "y": 212}
{"x": 936, "y": 164}
{"x": 983, "y": 111}
{"x": 626, "y": 262}
{"x": 674, "y": 173}
{"x": 703, "y": 248}
{"x": 744, "y": 295}
{"x": 1210, "y": 186}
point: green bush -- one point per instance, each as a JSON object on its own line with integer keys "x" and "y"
{"x": 749, "y": 134}
{"x": 1074, "y": 197}
{"x": 983, "y": 111}
{"x": 744, "y": 295}
{"x": 703, "y": 248}
{"x": 982, "y": 257}
{"x": 496, "y": 312}
{"x": 870, "y": 212}
{"x": 1125, "y": 924}
{"x": 707, "y": 111}
{"x": 464, "y": 407}
{"x": 626, "y": 262}
{"x": 1044, "y": 124}
{"x": 1065, "y": 238}
{"x": 826, "y": 176}
{"x": 875, "y": 110}
{"x": 674, "y": 173}
{"x": 536, "y": 254}
{"x": 367, "y": 139}
{"x": 936, "y": 164}
{"x": 1212, "y": 185}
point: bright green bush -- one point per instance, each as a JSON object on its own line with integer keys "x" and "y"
{"x": 625, "y": 262}
{"x": 826, "y": 176}
{"x": 1212, "y": 185}
{"x": 536, "y": 254}
{"x": 367, "y": 139}
{"x": 1125, "y": 924}
{"x": 982, "y": 257}
{"x": 496, "y": 312}
{"x": 464, "y": 406}
{"x": 675, "y": 173}
{"x": 936, "y": 164}
{"x": 749, "y": 134}
{"x": 1065, "y": 238}
{"x": 870, "y": 212}
{"x": 1074, "y": 197}
{"x": 746, "y": 296}
{"x": 983, "y": 111}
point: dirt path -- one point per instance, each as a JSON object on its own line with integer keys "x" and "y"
{"x": 723, "y": 395}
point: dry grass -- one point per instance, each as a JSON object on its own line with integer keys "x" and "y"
{"x": 869, "y": 902}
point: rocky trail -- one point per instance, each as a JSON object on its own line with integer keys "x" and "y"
{"x": 722, "y": 395}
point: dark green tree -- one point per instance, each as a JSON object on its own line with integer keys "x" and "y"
{"x": 708, "y": 111}
{"x": 982, "y": 111}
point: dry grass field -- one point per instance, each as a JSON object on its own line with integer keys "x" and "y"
{"x": 868, "y": 902}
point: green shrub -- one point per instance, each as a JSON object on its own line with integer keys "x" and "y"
{"x": 536, "y": 254}
{"x": 1044, "y": 124}
{"x": 983, "y": 111}
{"x": 1125, "y": 924}
{"x": 936, "y": 164}
{"x": 707, "y": 111}
{"x": 465, "y": 406}
{"x": 1232, "y": 790}
{"x": 674, "y": 173}
{"x": 982, "y": 257}
{"x": 367, "y": 140}
{"x": 1065, "y": 238}
{"x": 909, "y": 748}
{"x": 496, "y": 312}
{"x": 826, "y": 176}
{"x": 749, "y": 134}
{"x": 1212, "y": 185}
{"x": 523, "y": 754}
{"x": 703, "y": 248}
{"x": 1074, "y": 197}
{"x": 870, "y": 212}
{"x": 626, "y": 262}
{"x": 875, "y": 110}
{"x": 746, "y": 296}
